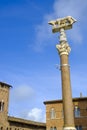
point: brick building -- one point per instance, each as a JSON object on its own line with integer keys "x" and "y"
{"x": 55, "y": 118}
{"x": 54, "y": 114}
{"x": 12, "y": 123}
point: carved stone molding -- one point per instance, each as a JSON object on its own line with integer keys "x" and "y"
{"x": 63, "y": 48}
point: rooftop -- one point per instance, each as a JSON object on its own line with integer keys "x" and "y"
{"x": 5, "y": 84}
{"x": 60, "y": 100}
{"x": 27, "y": 122}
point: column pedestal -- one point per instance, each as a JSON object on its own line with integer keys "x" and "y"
{"x": 69, "y": 128}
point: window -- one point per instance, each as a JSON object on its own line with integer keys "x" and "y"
{"x": 62, "y": 113}
{"x": 7, "y": 128}
{"x": 1, "y": 105}
{"x": 53, "y": 128}
{"x": 1, "y": 128}
{"x": 52, "y": 113}
{"x": 77, "y": 111}
{"x": 78, "y": 127}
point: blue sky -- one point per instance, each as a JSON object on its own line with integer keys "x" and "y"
{"x": 28, "y": 54}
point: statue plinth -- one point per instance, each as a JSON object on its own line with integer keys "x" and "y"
{"x": 65, "y": 23}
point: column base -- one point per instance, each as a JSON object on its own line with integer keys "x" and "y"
{"x": 69, "y": 128}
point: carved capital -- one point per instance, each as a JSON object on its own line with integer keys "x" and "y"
{"x": 63, "y": 48}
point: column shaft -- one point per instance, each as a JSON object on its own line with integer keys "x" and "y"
{"x": 66, "y": 92}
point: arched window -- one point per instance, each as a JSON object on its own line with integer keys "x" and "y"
{"x": 78, "y": 127}
{"x": 2, "y": 105}
{"x": 53, "y": 128}
{"x": 52, "y": 113}
{"x": 77, "y": 111}
{"x": 1, "y": 128}
{"x": 62, "y": 112}
{"x": 7, "y": 128}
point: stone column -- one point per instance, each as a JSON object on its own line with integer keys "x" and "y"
{"x": 60, "y": 25}
{"x": 64, "y": 50}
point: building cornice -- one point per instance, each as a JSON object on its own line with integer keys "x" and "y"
{"x": 27, "y": 122}
{"x": 5, "y": 84}
{"x": 60, "y": 100}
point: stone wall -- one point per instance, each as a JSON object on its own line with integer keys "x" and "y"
{"x": 13, "y": 123}
{"x": 57, "y": 121}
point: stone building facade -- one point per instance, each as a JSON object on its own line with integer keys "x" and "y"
{"x": 12, "y": 123}
{"x": 55, "y": 117}
{"x": 54, "y": 114}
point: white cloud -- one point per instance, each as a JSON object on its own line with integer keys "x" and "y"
{"x": 36, "y": 114}
{"x": 22, "y": 93}
{"x": 69, "y": 7}
{"x": 42, "y": 35}
{"x": 62, "y": 8}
